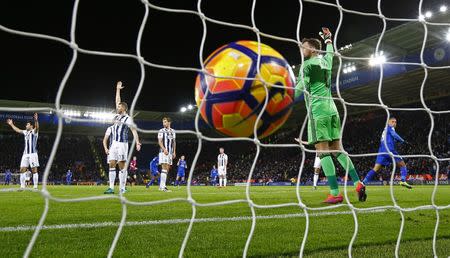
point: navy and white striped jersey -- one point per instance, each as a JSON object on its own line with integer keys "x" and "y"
{"x": 222, "y": 160}
{"x": 31, "y": 138}
{"x": 120, "y": 128}
{"x": 108, "y": 134}
{"x": 167, "y": 135}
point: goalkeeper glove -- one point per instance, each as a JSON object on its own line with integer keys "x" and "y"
{"x": 325, "y": 34}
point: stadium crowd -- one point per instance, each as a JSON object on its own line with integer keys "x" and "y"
{"x": 84, "y": 155}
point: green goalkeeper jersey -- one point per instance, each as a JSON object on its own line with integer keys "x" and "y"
{"x": 317, "y": 81}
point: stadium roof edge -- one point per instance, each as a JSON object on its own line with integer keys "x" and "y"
{"x": 139, "y": 114}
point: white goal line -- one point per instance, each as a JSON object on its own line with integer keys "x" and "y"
{"x": 180, "y": 221}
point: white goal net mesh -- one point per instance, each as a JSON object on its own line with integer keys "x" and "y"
{"x": 143, "y": 63}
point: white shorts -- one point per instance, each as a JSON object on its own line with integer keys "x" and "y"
{"x": 165, "y": 159}
{"x": 317, "y": 163}
{"x": 29, "y": 160}
{"x": 118, "y": 151}
{"x": 222, "y": 171}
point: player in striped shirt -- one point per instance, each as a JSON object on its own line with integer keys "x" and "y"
{"x": 222, "y": 162}
{"x": 167, "y": 145}
{"x": 30, "y": 155}
{"x": 118, "y": 151}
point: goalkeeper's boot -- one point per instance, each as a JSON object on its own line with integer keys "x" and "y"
{"x": 166, "y": 190}
{"x": 361, "y": 190}
{"x": 331, "y": 199}
{"x": 109, "y": 191}
{"x": 404, "y": 184}
{"x": 314, "y": 187}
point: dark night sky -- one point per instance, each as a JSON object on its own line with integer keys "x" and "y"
{"x": 33, "y": 68}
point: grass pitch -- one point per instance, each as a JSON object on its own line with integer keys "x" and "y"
{"x": 87, "y": 229}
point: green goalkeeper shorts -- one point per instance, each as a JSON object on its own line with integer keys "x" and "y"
{"x": 324, "y": 129}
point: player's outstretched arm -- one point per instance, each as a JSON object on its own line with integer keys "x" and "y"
{"x": 325, "y": 34}
{"x": 136, "y": 137}
{"x": 119, "y": 87}
{"x": 36, "y": 122}
{"x": 15, "y": 128}
{"x": 395, "y": 135}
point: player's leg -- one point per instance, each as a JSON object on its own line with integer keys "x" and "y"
{"x": 371, "y": 174}
{"x": 319, "y": 133}
{"x": 123, "y": 175}
{"x": 182, "y": 180}
{"x": 176, "y": 180}
{"x": 111, "y": 176}
{"x": 403, "y": 173}
{"x": 34, "y": 170}
{"x": 225, "y": 178}
{"x": 330, "y": 172}
{"x": 23, "y": 171}
{"x": 163, "y": 179}
{"x": 316, "y": 172}
{"x": 220, "y": 180}
{"x": 345, "y": 161}
{"x": 24, "y": 164}
{"x": 151, "y": 181}
{"x": 34, "y": 163}
{"x": 112, "y": 157}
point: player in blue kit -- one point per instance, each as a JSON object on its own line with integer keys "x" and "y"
{"x": 389, "y": 138}
{"x": 8, "y": 176}
{"x": 182, "y": 166}
{"x": 154, "y": 171}
{"x": 213, "y": 176}
{"x": 69, "y": 177}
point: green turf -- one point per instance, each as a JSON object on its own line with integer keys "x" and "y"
{"x": 329, "y": 235}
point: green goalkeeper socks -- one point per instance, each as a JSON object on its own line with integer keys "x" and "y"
{"x": 345, "y": 160}
{"x": 330, "y": 172}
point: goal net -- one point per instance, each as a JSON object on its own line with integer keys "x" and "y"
{"x": 339, "y": 54}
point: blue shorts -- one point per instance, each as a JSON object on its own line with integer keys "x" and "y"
{"x": 155, "y": 171}
{"x": 386, "y": 160}
{"x": 180, "y": 174}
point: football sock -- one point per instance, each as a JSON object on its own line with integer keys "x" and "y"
{"x": 403, "y": 173}
{"x": 112, "y": 177}
{"x": 330, "y": 173}
{"x": 369, "y": 177}
{"x": 345, "y": 161}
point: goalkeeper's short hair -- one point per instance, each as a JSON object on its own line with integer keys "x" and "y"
{"x": 313, "y": 42}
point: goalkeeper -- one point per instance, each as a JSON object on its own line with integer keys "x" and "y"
{"x": 324, "y": 125}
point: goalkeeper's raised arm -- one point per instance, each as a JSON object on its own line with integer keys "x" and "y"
{"x": 314, "y": 63}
